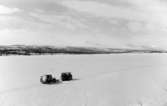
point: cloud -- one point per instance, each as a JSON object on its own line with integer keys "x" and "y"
{"x": 105, "y": 10}
{"x": 61, "y": 20}
{"x": 103, "y": 22}
{"x": 148, "y": 11}
{"x": 7, "y": 10}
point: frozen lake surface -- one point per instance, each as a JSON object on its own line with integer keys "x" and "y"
{"x": 102, "y": 80}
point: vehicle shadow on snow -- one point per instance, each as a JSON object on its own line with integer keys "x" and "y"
{"x": 75, "y": 79}
{"x": 53, "y": 83}
{"x": 61, "y": 82}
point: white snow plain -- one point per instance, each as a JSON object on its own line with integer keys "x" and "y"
{"x": 100, "y": 80}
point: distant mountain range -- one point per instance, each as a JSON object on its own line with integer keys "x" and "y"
{"x": 51, "y": 50}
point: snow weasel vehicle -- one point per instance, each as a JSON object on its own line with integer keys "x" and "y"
{"x": 66, "y": 76}
{"x": 48, "y": 79}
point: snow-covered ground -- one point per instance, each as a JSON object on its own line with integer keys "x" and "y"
{"x": 101, "y": 80}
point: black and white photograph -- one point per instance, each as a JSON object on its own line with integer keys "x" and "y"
{"x": 83, "y": 52}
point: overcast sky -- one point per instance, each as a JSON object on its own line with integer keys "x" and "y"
{"x": 102, "y": 23}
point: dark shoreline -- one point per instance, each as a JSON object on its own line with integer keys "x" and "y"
{"x": 51, "y": 50}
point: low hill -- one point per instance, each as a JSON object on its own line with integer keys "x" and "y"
{"x": 41, "y": 50}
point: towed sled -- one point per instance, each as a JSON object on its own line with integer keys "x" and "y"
{"x": 66, "y": 76}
